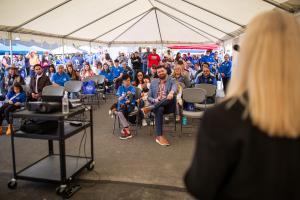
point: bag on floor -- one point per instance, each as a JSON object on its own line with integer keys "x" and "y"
{"x": 89, "y": 87}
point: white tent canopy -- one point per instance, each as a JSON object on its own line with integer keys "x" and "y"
{"x": 133, "y": 21}
{"x": 65, "y": 50}
{"x": 36, "y": 48}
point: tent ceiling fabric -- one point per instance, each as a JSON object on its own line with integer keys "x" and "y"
{"x": 131, "y": 21}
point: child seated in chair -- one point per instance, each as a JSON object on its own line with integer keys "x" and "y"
{"x": 15, "y": 98}
{"x": 126, "y": 104}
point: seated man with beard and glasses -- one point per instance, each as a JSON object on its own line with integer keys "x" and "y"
{"x": 162, "y": 99}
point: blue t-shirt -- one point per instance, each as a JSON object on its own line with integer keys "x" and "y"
{"x": 108, "y": 75}
{"x": 209, "y": 59}
{"x": 60, "y": 79}
{"x": 209, "y": 80}
{"x": 225, "y": 68}
{"x": 117, "y": 71}
{"x": 77, "y": 62}
{"x": 122, "y": 91}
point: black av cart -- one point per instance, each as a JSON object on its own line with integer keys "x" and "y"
{"x": 56, "y": 167}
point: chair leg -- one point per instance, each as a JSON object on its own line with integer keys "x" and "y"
{"x": 137, "y": 125}
{"x": 180, "y": 128}
{"x": 115, "y": 120}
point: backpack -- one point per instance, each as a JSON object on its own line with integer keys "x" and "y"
{"x": 89, "y": 87}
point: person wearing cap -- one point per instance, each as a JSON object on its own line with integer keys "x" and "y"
{"x": 6, "y": 61}
{"x": 169, "y": 56}
{"x": 37, "y": 83}
{"x": 60, "y": 77}
{"x": 153, "y": 59}
{"x": 11, "y": 79}
{"x": 33, "y": 60}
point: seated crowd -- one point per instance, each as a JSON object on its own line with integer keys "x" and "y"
{"x": 160, "y": 80}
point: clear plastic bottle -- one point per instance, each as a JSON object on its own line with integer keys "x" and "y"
{"x": 65, "y": 103}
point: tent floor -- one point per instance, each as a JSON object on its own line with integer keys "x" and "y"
{"x": 133, "y": 169}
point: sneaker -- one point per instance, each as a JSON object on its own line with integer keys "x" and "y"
{"x": 177, "y": 118}
{"x": 162, "y": 141}
{"x": 167, "y": 118}
{"x": 152, "y": 123}
{"x": 125, "y": 134}
{"x": 144, "y": 122}
{"x": 103, "y": 96}
{"x": 145, "y": 110}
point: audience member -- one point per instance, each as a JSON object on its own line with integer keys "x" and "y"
{"x": 15, "y": 98}
{"x": 37, "y": 83}
{"x": 60, "y": 77}
{"x": 161, "y": 96}
{"x": 126, "y": 103}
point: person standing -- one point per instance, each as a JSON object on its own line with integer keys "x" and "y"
{"x": 136, "y": 63}
{"x": 145, "y": 60}
{"x": 225, "y": 71}
{"x": 248, "y": 146}
{"x": 153, "y": 59}
{"x": 33, "y": 60}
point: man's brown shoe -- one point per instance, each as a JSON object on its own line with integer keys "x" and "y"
{"x": 162, "y": 141}
{"x": 146, "y": 110}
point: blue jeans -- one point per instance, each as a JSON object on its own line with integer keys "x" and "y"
{"x": 144, "y": 68}
{"x": 165, "y": 106}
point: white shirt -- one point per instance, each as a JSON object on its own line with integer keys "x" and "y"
{"x": 36, "y": 82}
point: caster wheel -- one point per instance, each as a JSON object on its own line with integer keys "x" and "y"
{"x": 12, "y": 184}
{"x": 91, "y": 166}
{"x": 60, "y": 190}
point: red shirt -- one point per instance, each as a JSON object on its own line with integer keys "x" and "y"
{"x": 153, "y": 59}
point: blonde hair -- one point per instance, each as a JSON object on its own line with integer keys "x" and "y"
{"x": 268, "y": 71}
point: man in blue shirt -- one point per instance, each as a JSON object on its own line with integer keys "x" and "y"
{"x": 206, "y": 77}
{"x": 77, "y": 61}
{"x": 127, "y": 70}
{"x": 208, "y": 58}
{"x": 60, "y": 77}
{"x": 225, "y": 71}
{"x": 117, "y": 71}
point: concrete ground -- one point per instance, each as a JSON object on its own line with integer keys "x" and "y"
{"x": 133, "y": 169}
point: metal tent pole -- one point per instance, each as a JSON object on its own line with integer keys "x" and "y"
{"x": 10, "y": 47}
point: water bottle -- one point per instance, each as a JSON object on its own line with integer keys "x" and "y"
{"x": 65, "y": 103}
{"x": 184, "y": 120}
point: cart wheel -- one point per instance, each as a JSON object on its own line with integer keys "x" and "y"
{"x": 91, "y": 166}
{"x": 12, "y": 184}
{"x": 60, "y": 190}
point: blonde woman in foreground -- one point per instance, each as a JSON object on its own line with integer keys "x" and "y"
{"x": 253, "y": 152}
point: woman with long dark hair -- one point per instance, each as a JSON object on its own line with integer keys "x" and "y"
{"x": 72, "y": 72}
